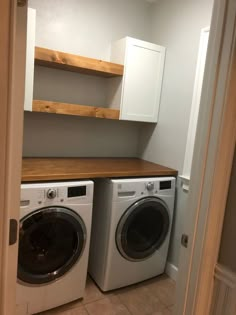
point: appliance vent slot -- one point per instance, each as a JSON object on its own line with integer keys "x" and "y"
{"x": 24, "y": 203}
{"x": 126, "y": 193}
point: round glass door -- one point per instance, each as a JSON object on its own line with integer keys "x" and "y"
{"x": 142, "y": 229}
{"x": 51, "y": 241}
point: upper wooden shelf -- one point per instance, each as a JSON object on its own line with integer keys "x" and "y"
{"x": 42, "y": 169}
{"x": 64, "y": 61}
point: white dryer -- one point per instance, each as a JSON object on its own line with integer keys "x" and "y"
{"x": 131, "y": 228}
{"x": 54, "y": 237}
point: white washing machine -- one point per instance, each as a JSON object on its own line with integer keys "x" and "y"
{"x": 54, "y": 237}
{"x": 131, "y": 228}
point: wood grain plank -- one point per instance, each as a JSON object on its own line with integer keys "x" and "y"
{"x": 64, "y": 61}
{"x": 46, "y": 169}
{"x": 74, "y": 109}
{"x": 12, "y": 80}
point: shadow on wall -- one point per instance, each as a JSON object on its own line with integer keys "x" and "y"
{"x": 147, "y": 132}
{"x": 51, "y": 135}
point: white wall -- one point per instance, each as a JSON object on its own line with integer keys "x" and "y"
{"x": 87, "y": 28}
{"x": 175, "y": 25}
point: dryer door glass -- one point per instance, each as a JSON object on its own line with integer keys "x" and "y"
{"x": 142, "y": 229}
{"x": 51, "y": 241}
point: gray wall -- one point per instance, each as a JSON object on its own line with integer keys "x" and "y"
{"x": 175, "y": 25}
{"x": 227, "y": 255}
{"x": 87, "y": 28}
{"x": 64, "y": 136}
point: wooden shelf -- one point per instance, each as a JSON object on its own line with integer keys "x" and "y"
{"x": 64, "y": 61}
{"x": 74, "y": 109}
{"x": 47, "y": 169}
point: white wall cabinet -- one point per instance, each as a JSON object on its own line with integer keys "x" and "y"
{"x": 140, "y": 92}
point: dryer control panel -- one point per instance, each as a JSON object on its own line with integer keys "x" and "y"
{"x": 143, "y": 187}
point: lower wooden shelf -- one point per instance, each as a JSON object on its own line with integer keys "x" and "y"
{"x": 74, "y": 109}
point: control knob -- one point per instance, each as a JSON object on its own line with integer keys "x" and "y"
{"x": 150, "y": 186}
{"x": 51, "y": 193}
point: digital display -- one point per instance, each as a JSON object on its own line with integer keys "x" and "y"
{"x": 76, "y": 191}
{"x": 165, "y": 185}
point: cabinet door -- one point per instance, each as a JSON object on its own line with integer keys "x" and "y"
{"x": 29, "y": 70}
{"x": 144, "y": 64}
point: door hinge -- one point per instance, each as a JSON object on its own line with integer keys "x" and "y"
{"x": 21, "y": 3}
{"x": 13, "y": 232}
{"x": 184, "y": 240}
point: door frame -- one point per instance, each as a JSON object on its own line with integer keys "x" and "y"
{"x": 12, "y": 55}
{"x": 211, "y": 169}
{"x": 215, "y": 141}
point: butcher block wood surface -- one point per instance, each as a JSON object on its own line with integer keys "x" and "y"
{"x": 47, "y": 169}
{"x": 64, "y": 61}
{"x": 74, "y": 109}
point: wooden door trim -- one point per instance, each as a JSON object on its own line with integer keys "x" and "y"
{"x": 6, "y": 36}
{"x": 223, "y": 154}
{"x": 213, "y": 156}
{"x": 12, "y": 54}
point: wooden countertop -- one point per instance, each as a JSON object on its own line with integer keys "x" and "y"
{"x": 44, "y": 169}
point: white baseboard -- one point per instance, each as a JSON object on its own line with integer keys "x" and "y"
{"x": 171, "y": 270}
{"x": 223, "y": 301}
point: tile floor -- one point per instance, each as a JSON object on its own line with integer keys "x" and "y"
{"x": 151, "y": 297}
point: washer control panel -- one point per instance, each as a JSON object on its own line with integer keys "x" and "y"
{"x": 47, "y": 194}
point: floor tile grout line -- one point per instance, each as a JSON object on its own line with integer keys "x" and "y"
{"x": 127, "y": 309}
{"x": 89, "y": 302}
{"x": 86, "y": 311}
{"x": 122, "y": 303}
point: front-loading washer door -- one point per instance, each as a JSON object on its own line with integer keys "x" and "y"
{"x": 51, "y": 241}
{"x": 142, "y": 229}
